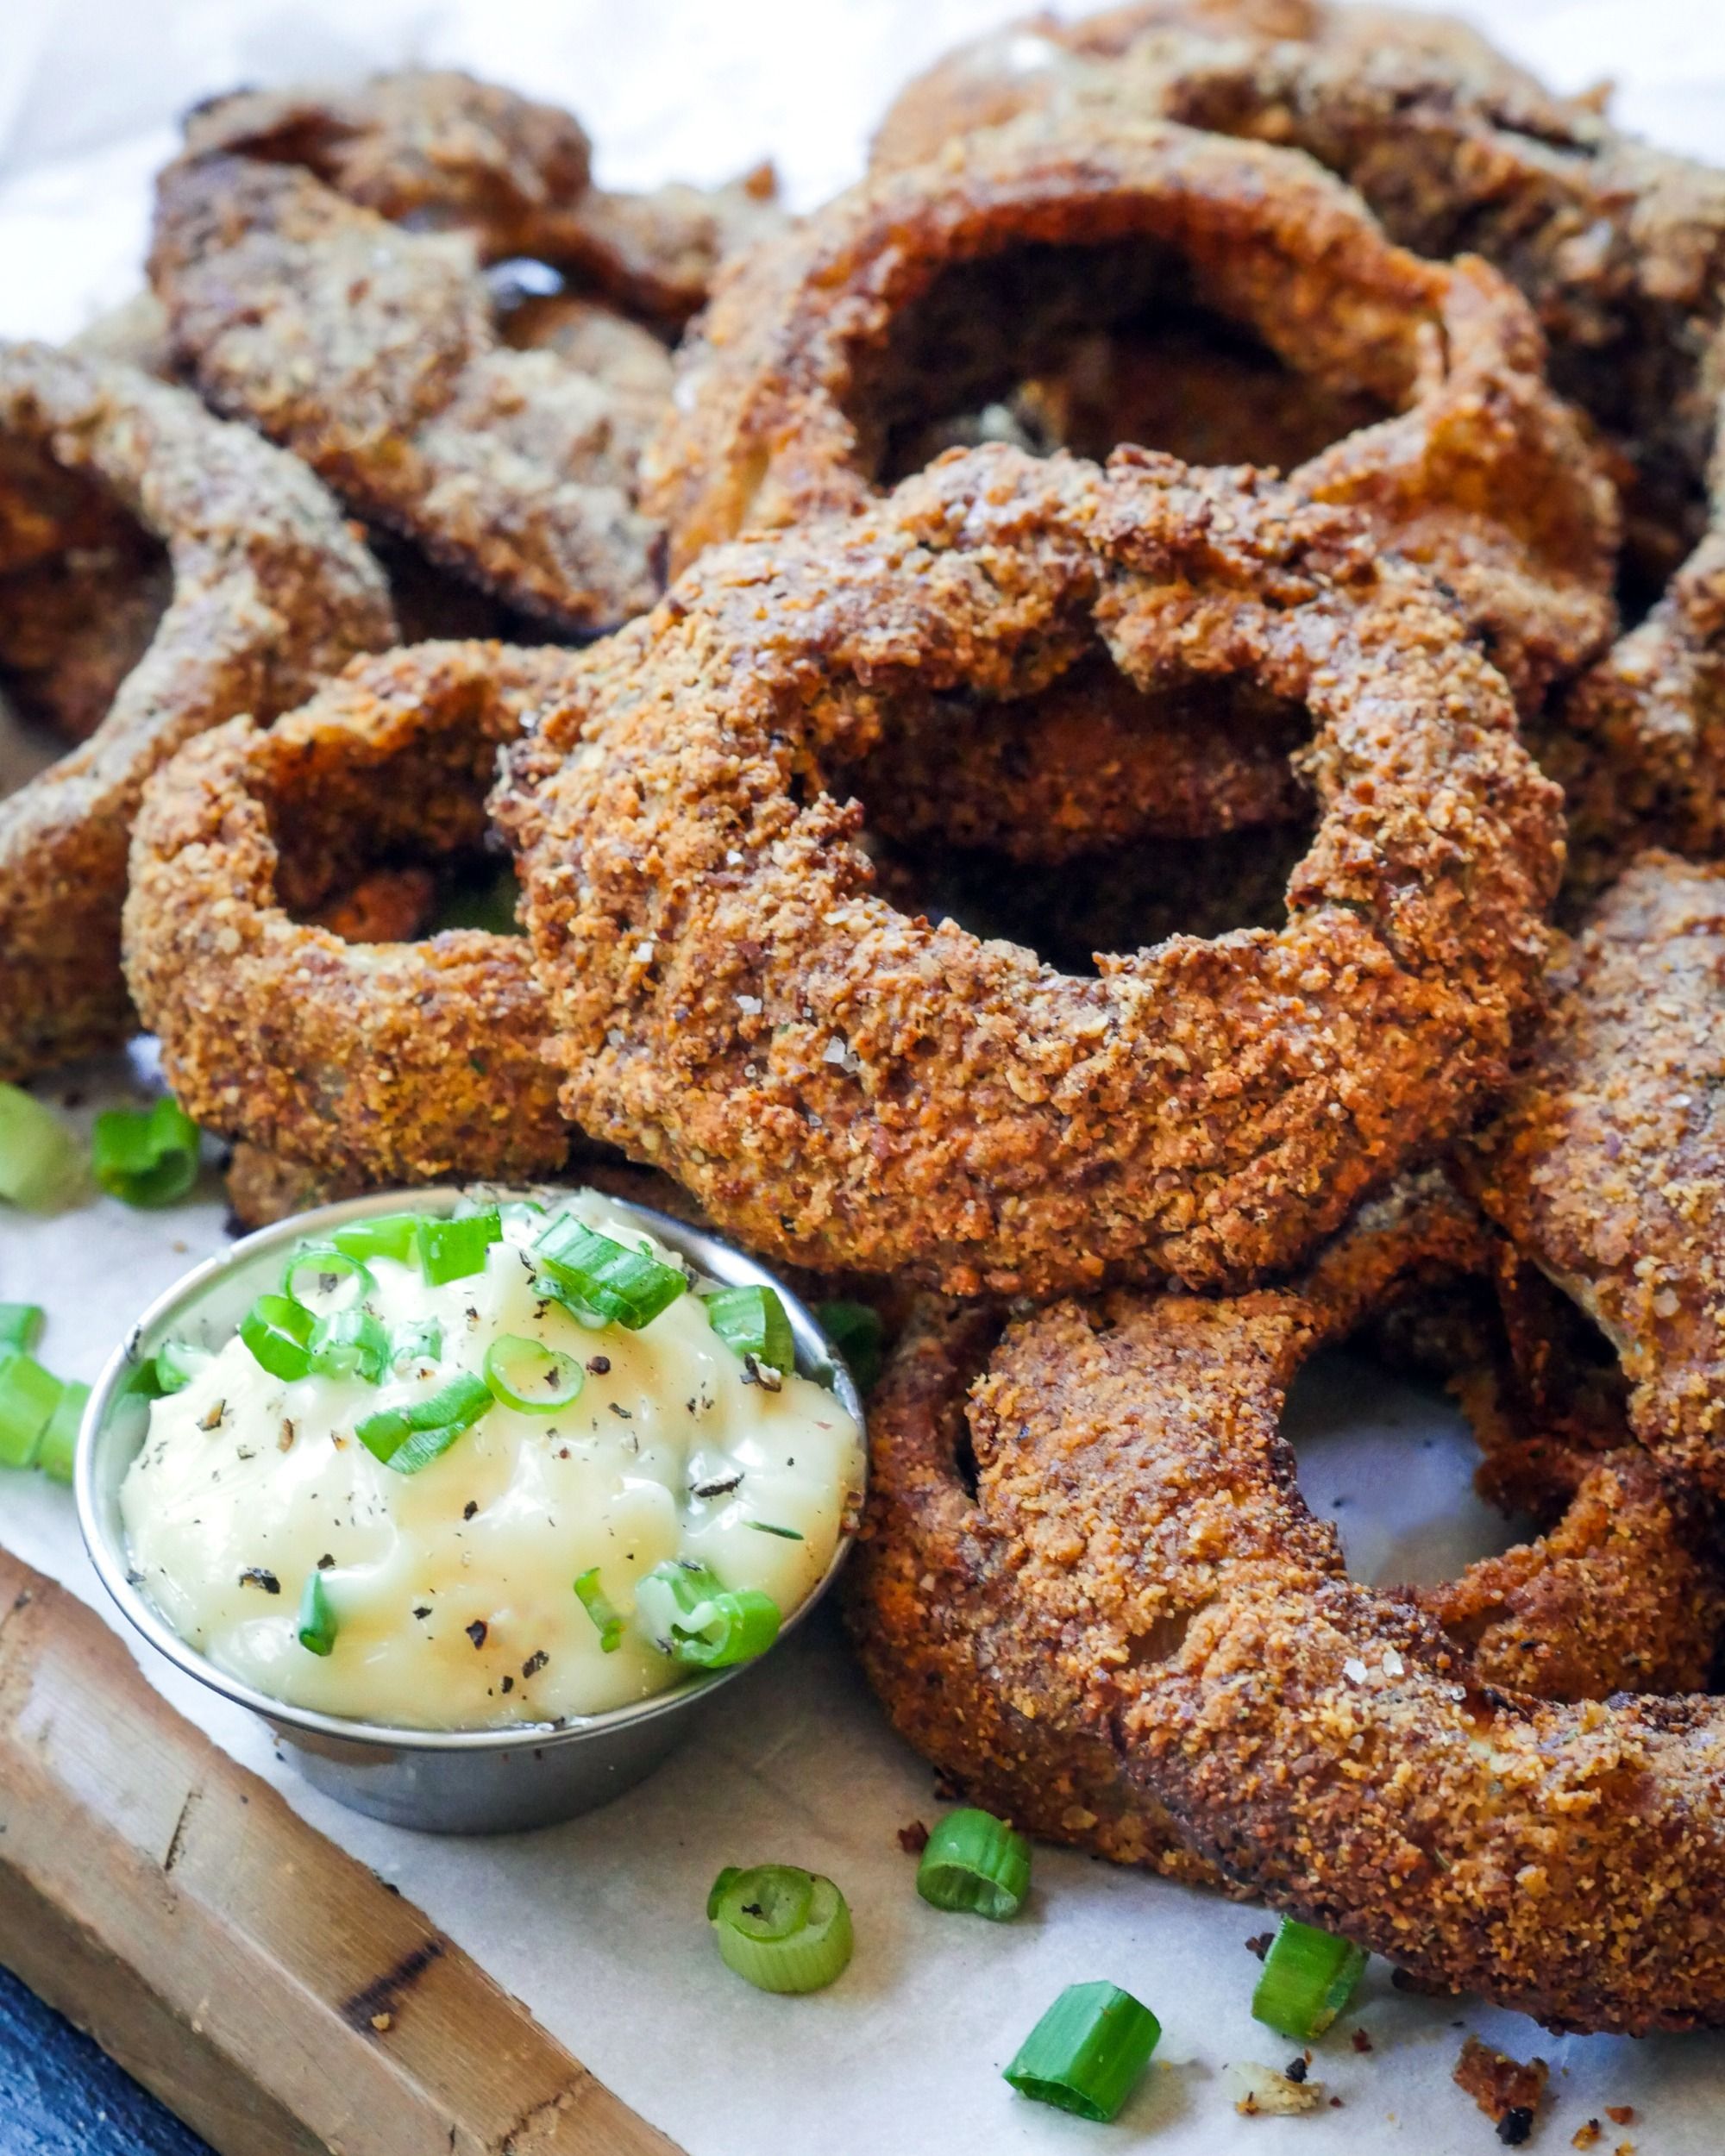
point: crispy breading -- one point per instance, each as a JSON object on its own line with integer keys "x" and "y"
{"x": 844, "y": 1085}
{"x": 1137, "y": 1568}
{"x": 364, "y": 1063}
{"x": 1605, "y": 1166}
{"x": 270, "y": 591}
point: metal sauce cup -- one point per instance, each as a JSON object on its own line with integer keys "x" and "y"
{"x": 456, "y": 1781}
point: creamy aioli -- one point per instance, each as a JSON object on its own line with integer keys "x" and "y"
{"x": 452, "y": 1589}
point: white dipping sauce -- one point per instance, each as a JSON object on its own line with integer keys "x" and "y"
{"x": 452, "y": 1588}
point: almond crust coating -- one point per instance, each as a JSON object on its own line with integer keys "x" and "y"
{"x": 844, "y": 1085}
{"x": 801, "y": 365}
{"x": 366, "y": 1063}
{"x": 1621, "y": 1594}
{"x": 1143, "y": 1585}
{"x": 270, "y": 591}
{"x": 372, "y": 352}
{"x": 1620, "y": 247}
{"x": 450, "y": 153}
{"x": 1605, "y": 1165}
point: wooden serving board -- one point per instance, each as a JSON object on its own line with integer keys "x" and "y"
{"x": 270, "y": 1989}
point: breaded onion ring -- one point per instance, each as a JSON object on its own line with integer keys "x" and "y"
{"x": 269, "y": 591}
{"x": 1620, "y": 247}
{"x": 372, "y": 1063}
{"x": 1620, "y": 1593}
{"x": 445, "y": 153}
{"x": 1604, "y": 1166}
{"x": 373, "y": 354}
{"x": 1139, "y": 1576}
{"x": 845, "y": 1086}
{"x": 958, "y": 278}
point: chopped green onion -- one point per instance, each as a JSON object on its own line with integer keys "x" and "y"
{"x": 21, "y": 1324}
{"x": 148, "y": 1156}
{"x": 416, "y": 1340}
{"x": 780, "y": 1928}
{"x": 316, "y": 1622}
{"x": 702, "y": 1623}
{"x": 752, "y": 1321}
{"x": 59, "y": 1447}
{"x": 451, "y": 1250}
{"x": 40, "y": 1167}
{"x": 531, "y": 1377}
{"x": 350, "y": 1344}
{"x": 384, "y": 1235}
{"x": 604, "y": 1613}
{"x": 857, "y": 1331}
{"x": 1308, "y": 1978}
{"x": 177, "y": 1363}
{"x": 975, "y": 1862}
{"x": 600, "y": 1280}
{"x": 409, "y": 1438}
{"x": 322, "y": 1279}
{"x": 1087, "y": 2051}
{"x": 277, "y": 1330}
{"x": 28, "y": 1396}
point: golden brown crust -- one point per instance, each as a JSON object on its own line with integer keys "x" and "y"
{"x": 363, "y": 1063}
{"x": 846, "y": 1087}
{"x": 813, "y": 350}
{"x": 447, "y": 152}
{"x": 372, "y": 352}
{"x": 1604, "y": 1165}
{"x": 1137, "y": 1567}
{"x": 270, "y": 590}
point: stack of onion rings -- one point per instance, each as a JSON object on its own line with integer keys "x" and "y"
{"x": 816, "y": 344}
{"x": 270, "y": 591}
{"x": 849, "y": 1087}
{"x": 364, "y": 1063}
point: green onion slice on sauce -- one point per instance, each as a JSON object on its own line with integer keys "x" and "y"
{"x": 350, "y": 1344}
{"x": 177, "y": 1363}
{"x": 602, "y": 1281}
{"x": 531, "y": 1377}
{"x": 146, "y": 1156}
{"x": 752, "y": 1321}
{"x": 277, "y": 1330}
{"x": 317, "y": 1621}
{"x": 701, "y": 1623}
{"x": 451, "y": 1250}
{"x": 780, "y": 1928}
{"x": 416, "y": 1340}
{"x": 603, "y": 1611}
{"x": 323, "y": 1279}
{"x": 384, "y": 1235}
{"x": 1087, "y": 2052}
{"x": 975, "y": 1862}
{"x": 410, "y": 1438}
{"x": 1308, "y": 1978}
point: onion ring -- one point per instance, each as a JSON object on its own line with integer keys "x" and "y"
{"x": 1619, "y": 1594}
{"x": 815, "y": 344}
{"x": 1604, "y": 1164}
{"x": 1137, "y": 1567}
{"x": 363, "y": 1063}
{"x": 849, "y": 1088}
{"x": 373, "y": 354}
{"x": 270, "y": 590}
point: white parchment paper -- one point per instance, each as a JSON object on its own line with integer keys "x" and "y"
{"x": 598, "y": 1926}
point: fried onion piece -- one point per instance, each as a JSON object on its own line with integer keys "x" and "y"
{"x": 372, "y": 352}
{"x": 1603, "y": 1167}
{"x": 363, "y": 1063}
{"x": 845, "y": 1086}
{"x": 940, "y": 287}
{"x": 439, "y": 151}
{"x": 270, "y": 590}
{"x": 1098, "y": 1552}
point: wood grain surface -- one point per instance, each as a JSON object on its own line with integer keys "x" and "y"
{"x": 272, "y": 1992}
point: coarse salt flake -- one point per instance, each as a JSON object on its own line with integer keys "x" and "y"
{"x": 1354, "y": 1670}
